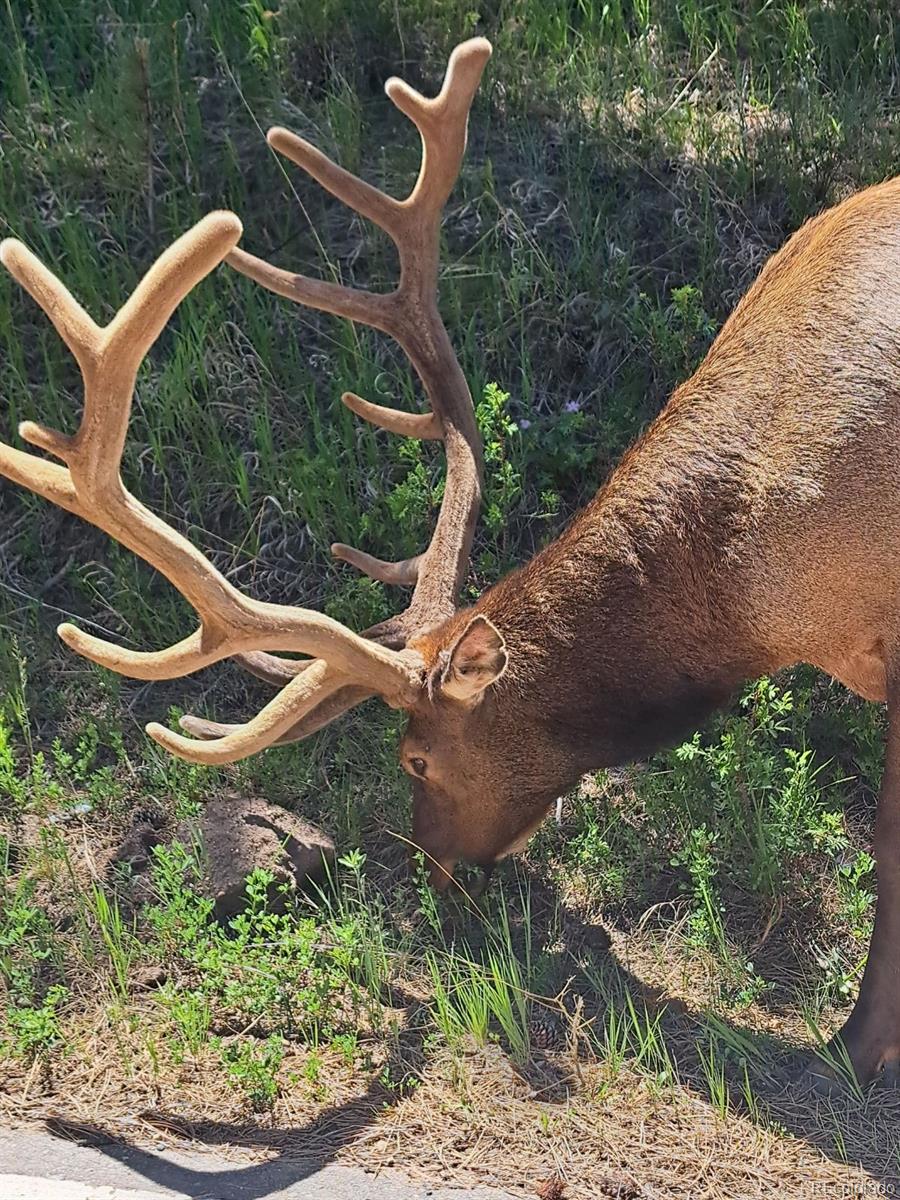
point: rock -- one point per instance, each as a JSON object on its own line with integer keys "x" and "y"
{"x": 148, "y": 977}
{"x": 237, "y": 834}
{"x": 233, "y": 835}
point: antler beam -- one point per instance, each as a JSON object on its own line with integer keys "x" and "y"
{"x": 410, "y": 315}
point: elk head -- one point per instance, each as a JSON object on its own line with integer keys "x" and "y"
{"x": 484, "y": 761}
{"x": 441, "y": 667}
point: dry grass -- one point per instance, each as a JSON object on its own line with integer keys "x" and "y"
{"x": 468, "y": 1116}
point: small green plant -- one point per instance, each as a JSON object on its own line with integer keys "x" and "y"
{"x": 503, "y": 480}
{"x": 714, "y": 1074}
{"x": 191, "y": 1016}
{"x": 461, "y": 1003}
{"x": 839, "y": 978}
{"x": 481, "y": 994}
{"x": 347, "y": 1045}
{"x": 35, "y": 1028}
{"x": 591, "y": 850}
{"x": 678, "y": 332}
{"x": 253, "y": 1068}
{"x": 305, "y": 972}
{"x": 855, "y": 879}
{"x": 835, "y": 1060}
{"x": 697, "y": 858}
{"x": 29, "y": 785}
{"x": 28, "y": 945}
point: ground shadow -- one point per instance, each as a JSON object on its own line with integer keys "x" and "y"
{"x": 846, "y": 1127}
{"x": 291, "y": 1163}
{"x": 297, "y": 1153}
{"x": 843, "y": 1128}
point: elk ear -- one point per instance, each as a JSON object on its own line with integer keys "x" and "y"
{"x": 476, "y": 660}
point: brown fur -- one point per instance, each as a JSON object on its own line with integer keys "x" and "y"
{"x": 755, "y": 524}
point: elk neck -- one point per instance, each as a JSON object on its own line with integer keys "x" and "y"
{"x": 630, "y": 629}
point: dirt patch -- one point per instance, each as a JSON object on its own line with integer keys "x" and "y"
{"x": 233, "y": 835}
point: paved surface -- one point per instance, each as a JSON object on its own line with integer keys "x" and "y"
{"x": 37, "y": 1166}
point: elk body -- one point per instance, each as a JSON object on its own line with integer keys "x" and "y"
{"x": 753, "y": 526}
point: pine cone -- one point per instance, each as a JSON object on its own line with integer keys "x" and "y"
{"x": 545, "y": 1032}
{"x": 552, "y": 1189}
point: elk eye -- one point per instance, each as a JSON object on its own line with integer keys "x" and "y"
{"x": 418, "y": 766}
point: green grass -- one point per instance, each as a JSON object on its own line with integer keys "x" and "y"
{"x": 630, "y": 168}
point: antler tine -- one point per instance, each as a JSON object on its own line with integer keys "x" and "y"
{"x": 368, "y": 201}
{"x": 424, "y": 426}
{"x": 356, "y": 304}
{"x": 278, "y": 672}
{"x": 74, "y": 326}
{"x": 242, "y": 624}
{"x": 400, "y": 574}
{"x": 442, "y": 121}
{"x": 321, "y": 715}
{"x": 94, "y": 454}
{"x": 270, "y": 668}
{"x": 410, "y": 315}
{"x": 303, "y": 694}
{"x": 90, "y": 486}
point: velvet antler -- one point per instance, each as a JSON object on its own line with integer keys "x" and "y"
{"x": 410, "y": 315}
{"x": 347, "y": 667}
{"x": 90, "y": 485}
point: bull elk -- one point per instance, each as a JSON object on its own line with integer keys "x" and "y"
{"x": 754, "y": 525}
